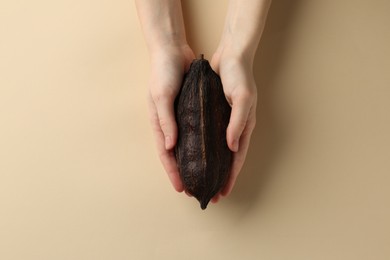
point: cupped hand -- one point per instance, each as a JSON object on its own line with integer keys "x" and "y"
{"x": 241, "y": 93}
{"x": 168, "y": 66}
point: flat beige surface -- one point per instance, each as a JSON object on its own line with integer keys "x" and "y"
{"x": 79, "y": 174}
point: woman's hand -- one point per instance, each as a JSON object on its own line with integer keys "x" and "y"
{"x": 163, "y": 27}
{"x": 168, "y": 68}
{"x": 240, "y": 90}
{"x": 233, "y": 61}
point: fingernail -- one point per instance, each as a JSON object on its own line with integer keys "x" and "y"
{"x": 235, "y": 145}
{"x": 168, "y": 142}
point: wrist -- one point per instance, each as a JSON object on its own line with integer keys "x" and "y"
{"x": 165, "y": 43}
{"x": 169, "y": 50}
{"x": 178, "y": 55}
{"x": 234, "y": 50}
{"x": 162, "y": 23}
{"x": 230, "y": 55}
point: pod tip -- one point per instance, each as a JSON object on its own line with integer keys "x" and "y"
{"x": 204, "y": 203}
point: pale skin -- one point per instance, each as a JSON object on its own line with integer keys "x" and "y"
{"x": 163, "y": 27}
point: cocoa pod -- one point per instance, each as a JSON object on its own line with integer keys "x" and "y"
{"x": 202, "y": 115}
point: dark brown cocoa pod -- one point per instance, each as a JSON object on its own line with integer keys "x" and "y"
{"x": 202, "y": 115}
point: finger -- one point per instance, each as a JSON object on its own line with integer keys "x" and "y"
{"x": 166, "y": 118}
{"x": 238, "y": 122}
{"x": 168, "y": 161}
{"x": 188, "y": 194}
{"x": 216, "y": 198}
{"x": 239, "y": 157}
{"x": 167, "y": 157}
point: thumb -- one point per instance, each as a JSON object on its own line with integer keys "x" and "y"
{"x": 237, "y": 124}
{"x": 166, "y": 116}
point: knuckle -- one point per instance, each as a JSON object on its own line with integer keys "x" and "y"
{"x": 247, "y": 94}
{"x": 237, "y": 128}
{"x": 249, "y": 128}
{"x": 162, "y": 93}
{"x": 157, "y": 95}
{"x": 163, "y": 123}
{"x": 153, "y": 118}
{"x": 162, "y": 156}
{"x": 252, "y": 124}
{"x": 241, "y": 124}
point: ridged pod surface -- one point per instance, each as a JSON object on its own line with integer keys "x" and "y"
{"x": 202, "y": 115}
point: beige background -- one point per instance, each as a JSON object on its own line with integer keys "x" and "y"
{"x": 79, "y": 174}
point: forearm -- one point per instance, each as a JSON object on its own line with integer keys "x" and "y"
{"x": 244, "y": 25}
{"x": 162, "y": 23}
